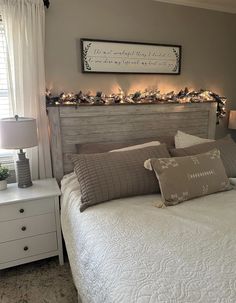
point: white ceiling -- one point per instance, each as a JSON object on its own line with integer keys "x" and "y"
{"x": 228, "y": 6}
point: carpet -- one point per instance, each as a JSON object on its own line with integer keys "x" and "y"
{"x": 43, "y": 281}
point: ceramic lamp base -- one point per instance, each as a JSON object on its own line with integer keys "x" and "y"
{"x": 23, "y": 171}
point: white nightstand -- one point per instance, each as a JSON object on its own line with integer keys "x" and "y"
{"x": 30, "y": 226}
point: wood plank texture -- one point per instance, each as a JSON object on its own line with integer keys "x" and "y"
{"x": 84, "y": 124}
{"x": 55, "y": 142}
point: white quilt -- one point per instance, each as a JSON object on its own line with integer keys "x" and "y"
{"x": 129, "y": 251}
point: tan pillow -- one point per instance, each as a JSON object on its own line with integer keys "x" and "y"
{"x": 107, "y": 176}
{"x": 104, "y": 147}
{"x": 185, "y": 178}
{"x": 227, "y": 149}
{"x": 183, "y": 140}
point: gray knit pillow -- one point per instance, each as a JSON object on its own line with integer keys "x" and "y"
{"x": 227, "y": 149}
{"x": 107, "y": 176}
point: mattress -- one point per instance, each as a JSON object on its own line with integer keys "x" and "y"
{"x": 130, "y": 251}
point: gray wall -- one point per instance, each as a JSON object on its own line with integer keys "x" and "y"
{"x": 207, "y": 37}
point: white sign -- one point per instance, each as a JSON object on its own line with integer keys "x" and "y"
{"x": 123, "y": 57}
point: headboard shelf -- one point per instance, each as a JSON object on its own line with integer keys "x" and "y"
{"x": 84, "y": 124}
{"x": 121, "y": 104}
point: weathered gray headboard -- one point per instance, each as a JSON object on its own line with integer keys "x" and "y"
{"x": 84, "y": 124}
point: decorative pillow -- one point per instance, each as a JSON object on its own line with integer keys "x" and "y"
{"x": 183, "y": 140}
{"x": 227, "y": 149}
{"x": 132, "y": 147}
{"x": 108, "y": 176}
{"x": 185, "y": 178}
{"x": 103, "y": 147}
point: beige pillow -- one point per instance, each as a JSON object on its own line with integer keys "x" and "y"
{"x": 104, "y": 147}
{"x": 185, "y": 178}
{"x": 132, "y": 147}
{"x": 106, "y": 176}
{"x": 227, "y": 149}
{"x": 183, "y": 140}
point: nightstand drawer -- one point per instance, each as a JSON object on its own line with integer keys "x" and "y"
{"x": 28, "y": 247}
{"x": 27, "y": 227}
{"x": 26, "y": 209}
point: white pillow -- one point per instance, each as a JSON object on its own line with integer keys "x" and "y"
{"x": 183, "y": 140}
{"x": 152, "y": 143}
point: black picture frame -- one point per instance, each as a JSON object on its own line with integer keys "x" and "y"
{"x": 176, "y": 49}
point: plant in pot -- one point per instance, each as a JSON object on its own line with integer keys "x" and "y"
{"x": 4, "y": 174}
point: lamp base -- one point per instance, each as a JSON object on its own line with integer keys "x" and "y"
{"x": 23, "y": 171}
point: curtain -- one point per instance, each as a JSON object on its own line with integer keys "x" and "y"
{"x": 24, "y": 22}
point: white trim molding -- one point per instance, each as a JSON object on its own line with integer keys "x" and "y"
{"x": 228, "y": 6}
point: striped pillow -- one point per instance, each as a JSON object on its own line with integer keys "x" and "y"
{"x": 107, "y": 176}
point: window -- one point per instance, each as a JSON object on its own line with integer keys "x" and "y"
{"x": 6, "y": 156}
{"x": 4, "y": 102}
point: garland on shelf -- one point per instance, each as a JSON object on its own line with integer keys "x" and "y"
{"x": 46, "y": 3}
{"x": 146, "y": 97}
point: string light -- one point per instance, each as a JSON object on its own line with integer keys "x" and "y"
{"x": 146, "y": 97}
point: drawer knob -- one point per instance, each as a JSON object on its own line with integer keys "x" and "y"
{"x": 23, "y": 228}
{"x": 26, "y": 248}
{"x": 22, "y": 210}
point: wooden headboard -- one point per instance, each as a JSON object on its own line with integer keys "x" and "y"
{"x": 84, "y": 124}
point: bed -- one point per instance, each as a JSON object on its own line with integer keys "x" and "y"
{"x": 128, "y": 250}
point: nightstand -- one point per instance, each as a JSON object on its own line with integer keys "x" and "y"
{"x": 30, "y": 226}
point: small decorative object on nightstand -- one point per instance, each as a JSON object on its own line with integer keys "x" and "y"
{"x": 30, "y": 227}
{"x": 19, "y": 133}
{"x": 4, "y": 174}
{"x": 232, "y": 119}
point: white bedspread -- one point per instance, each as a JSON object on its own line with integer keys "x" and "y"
{"x": 129, "y": 251}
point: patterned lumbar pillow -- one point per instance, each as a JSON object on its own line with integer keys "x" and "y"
{"x": 183, "y": 140}
{"x": 107, "y": 176}
{"x": 185, "y": 178}
{"x": 227, "y": 149}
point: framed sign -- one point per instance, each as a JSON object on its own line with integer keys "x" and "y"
{"x": 103, "y": 56}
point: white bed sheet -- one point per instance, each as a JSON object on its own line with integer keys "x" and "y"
{"x": 130, "y": 251}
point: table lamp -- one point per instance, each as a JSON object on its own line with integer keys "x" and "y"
{"x": 19, "y": 133}
{"x": 232, "y": 119}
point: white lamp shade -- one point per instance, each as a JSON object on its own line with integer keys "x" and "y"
{"x": 18, "y": 134}
{"x": 232, "y": 119}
